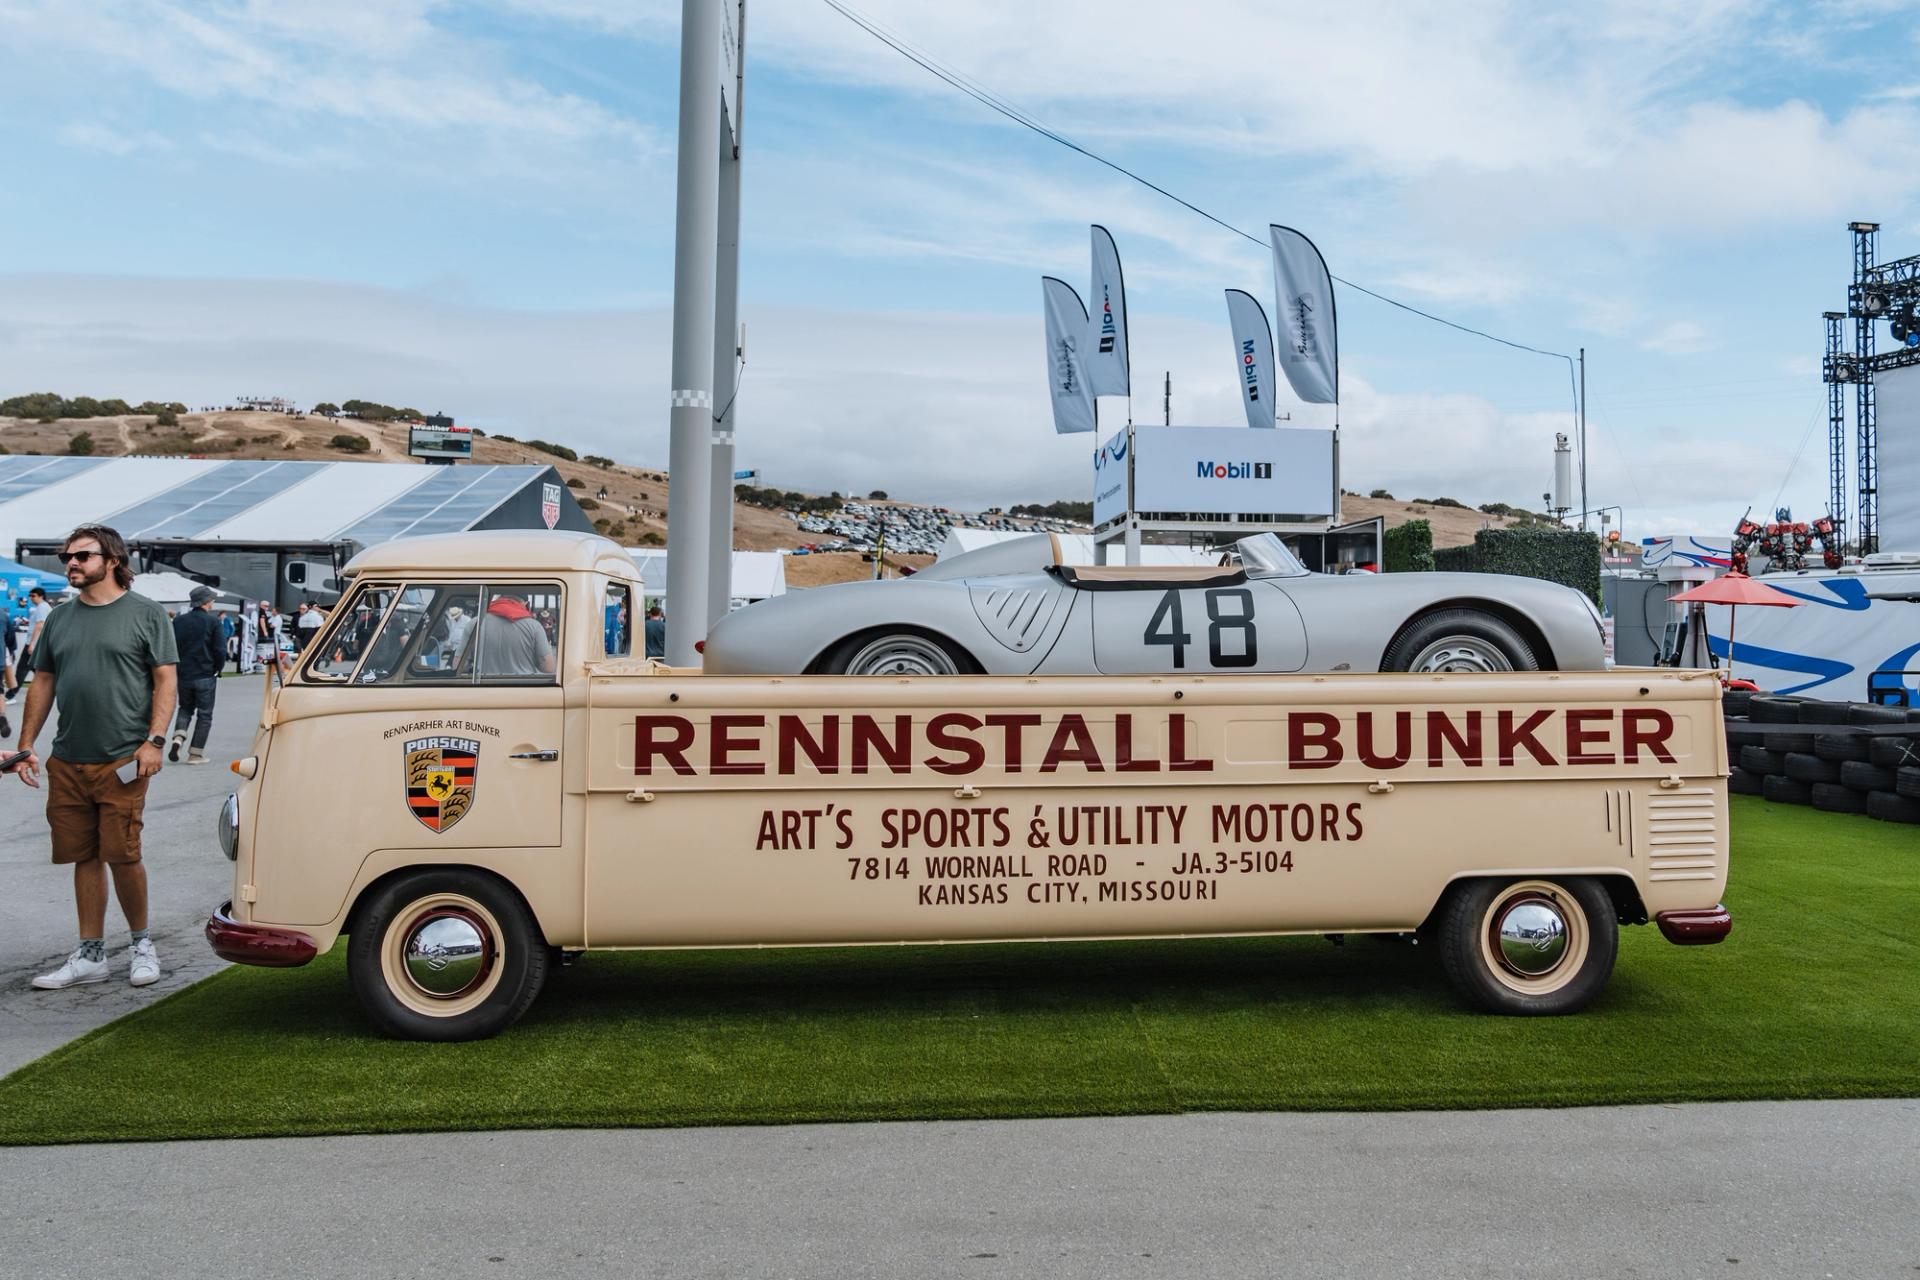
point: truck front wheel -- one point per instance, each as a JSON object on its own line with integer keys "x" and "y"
{"x": 1529, "y": 946}
{"x": 446, "y": 954}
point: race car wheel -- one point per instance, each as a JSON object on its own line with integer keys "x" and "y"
{"x": 896, "y": 653}
{"x": 1530, "y": 947}
{"x": 1459, "y": 640}
{"x": 446, "y": 954}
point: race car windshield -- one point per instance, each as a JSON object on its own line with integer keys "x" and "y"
{"x": 1265, "y": 556}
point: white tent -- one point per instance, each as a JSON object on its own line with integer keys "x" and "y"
{"x": 1075, "y": 548}
{"x": 757, "y": 575}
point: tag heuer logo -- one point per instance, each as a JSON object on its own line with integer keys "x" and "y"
{"x": 441, "y": 775}
{"x": 550, "y": 504}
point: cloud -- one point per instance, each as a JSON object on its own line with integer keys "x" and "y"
{"x": 115, "y": 141}
{"x": 932, "y": 406}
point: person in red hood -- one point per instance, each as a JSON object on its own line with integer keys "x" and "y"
{"x": 512, "y": 641}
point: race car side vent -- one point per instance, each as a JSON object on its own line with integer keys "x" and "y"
{"x": 1016, "y": 616}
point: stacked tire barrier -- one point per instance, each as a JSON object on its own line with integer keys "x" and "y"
{"x": 1817, "y": 761}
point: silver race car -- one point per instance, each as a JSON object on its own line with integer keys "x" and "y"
{"x": 1014, "y": 609}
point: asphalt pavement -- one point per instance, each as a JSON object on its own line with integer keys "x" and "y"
{"x": 1735, "y": 1190}
{"x": 186, "y": 878}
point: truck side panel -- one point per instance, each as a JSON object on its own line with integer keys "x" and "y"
{"x": 741, "y": 811}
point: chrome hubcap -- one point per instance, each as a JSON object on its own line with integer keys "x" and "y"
{"x": 1461, "y": 653}
{"x": 902, "y": 656}
{"x": 448, "y": 952}
{"x": 1530, "y": 936}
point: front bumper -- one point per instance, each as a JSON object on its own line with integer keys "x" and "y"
{"x": 256, "y": 944}
{"x": 1695, "y": 928}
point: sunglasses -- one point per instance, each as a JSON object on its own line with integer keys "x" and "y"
{"x": 68, "y": 557}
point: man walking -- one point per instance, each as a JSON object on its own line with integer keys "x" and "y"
{"x": 203, "y": 650}
{"x": 36, "y": 618}
{"x": 266, "y": 639}
{"x": 107, "y": 660}
{"x": 656, "y": 633}
{"x": 307, "y": 626}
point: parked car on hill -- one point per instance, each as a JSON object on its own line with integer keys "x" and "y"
{"x": 1014, "y": 608}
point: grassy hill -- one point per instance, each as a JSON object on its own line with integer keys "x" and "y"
{"x": 634, "y": 507}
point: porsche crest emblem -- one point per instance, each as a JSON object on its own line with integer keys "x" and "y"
{"x": 441, "y": 775}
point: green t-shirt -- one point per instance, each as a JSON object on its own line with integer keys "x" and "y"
{"x": 102, "y": 658}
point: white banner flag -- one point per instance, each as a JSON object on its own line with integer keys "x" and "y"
{"x": 1107, "y": 335}
{"x": 1066, "y": 367}
{"x": 1309, "y": 338}
{"x": 1252, "y": 355}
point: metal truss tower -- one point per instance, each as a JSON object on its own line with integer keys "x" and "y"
{"x": 1836, "y": 371}
{"x": 1866, "y": 243}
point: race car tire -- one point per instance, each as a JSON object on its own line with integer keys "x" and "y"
{"x": 1459, "y": 640}
{"x": 1891, "y": 753}
{"x": 1784, "y": 790}
{"x": 1739, "y": 735}
{"x": 1840, "y": 746}
{"x": 1533, "y": 947}
{"x": 897, "y": 651}
{"x": 1831, "y": 797}
{"x": 1761, "y": 761}
{"x": 1743, "y": 782}
{"x": 1772, "y": 708}
{"x": 1906, "y": 781}
{"x": 1890, "y": 807}
{"x": 445, "y": 954}
{"x": 1858, "y": 775}
{"x": 1810, "y": 768}
{"x": 1868, "y": 713}
{"x": 1733, "y": 702}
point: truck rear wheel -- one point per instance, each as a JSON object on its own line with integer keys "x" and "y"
{"x": 1536, "y": 946}
{"x": 446, "y": 954}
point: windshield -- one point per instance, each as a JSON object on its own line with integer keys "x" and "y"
{"x": 1265, "y": 556}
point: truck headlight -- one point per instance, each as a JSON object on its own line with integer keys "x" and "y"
{"x": 230, "y": 828}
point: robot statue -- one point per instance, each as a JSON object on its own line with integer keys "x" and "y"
{"x": 1784, "y": 542}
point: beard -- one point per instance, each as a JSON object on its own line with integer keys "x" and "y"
{"x": 95, "y": 570}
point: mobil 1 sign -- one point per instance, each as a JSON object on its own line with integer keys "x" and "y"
{"x": 1233, "y": 471}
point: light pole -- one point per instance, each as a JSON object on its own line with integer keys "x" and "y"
{"x": 695, "y": 234}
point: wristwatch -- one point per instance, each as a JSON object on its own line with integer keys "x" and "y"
{"x": 158, "y": 740}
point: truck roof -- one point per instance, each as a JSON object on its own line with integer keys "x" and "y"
{"x": 497, "y": 550}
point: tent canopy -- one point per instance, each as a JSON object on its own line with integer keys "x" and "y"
{"x": 757, "y": 575}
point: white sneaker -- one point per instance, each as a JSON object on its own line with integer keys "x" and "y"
{"x": 77, "y": 971}
{"x": 196, "y": 757}
{"x": 145, "y": 963}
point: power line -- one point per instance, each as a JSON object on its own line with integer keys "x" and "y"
{"x": 989, "y": 100}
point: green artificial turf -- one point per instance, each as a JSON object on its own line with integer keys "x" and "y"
{"x": 1816, "y": 994}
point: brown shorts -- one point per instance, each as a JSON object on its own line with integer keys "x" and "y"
{"x": 92, "y": 813}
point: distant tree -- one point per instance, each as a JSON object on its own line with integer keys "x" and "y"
{"x": 80, "y": 444}
{"x": 588, "y": 504}
{"x": 1381, "y": 493}
{"x": 595, "y": 460}
{"x": 349, "y": 443}
{"x": 652, "y": 539}
{"x": 557, "y": 450}
{"x": 878, "y": 495}
{"x": 326, "y": 408}
{"x": 603, "y": 524}
{"x": 411, "y": 414}
{"x": 166, "y": 418}
{"x": 575, "y": 482}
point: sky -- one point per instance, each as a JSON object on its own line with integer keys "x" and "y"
{"x": 468, "y": 207}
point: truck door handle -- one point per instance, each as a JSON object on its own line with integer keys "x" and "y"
{"x": 545, "y": 754}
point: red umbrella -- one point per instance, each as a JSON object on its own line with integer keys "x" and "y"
{"x": 1733, "y": 590}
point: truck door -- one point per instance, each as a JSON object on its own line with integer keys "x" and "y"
{"x": 439, "y": 729}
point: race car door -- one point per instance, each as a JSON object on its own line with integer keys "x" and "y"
{"x": 1232, "y": 623}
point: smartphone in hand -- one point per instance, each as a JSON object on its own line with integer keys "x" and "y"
{"x": 128, "y": 771}
{"x": 9, "y": 761}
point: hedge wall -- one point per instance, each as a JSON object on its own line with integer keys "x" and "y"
{"x": 1409, "y": 548}
{"x": 1565, "y": 556}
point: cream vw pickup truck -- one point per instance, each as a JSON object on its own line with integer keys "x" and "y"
{"x": 470, "y": 774}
